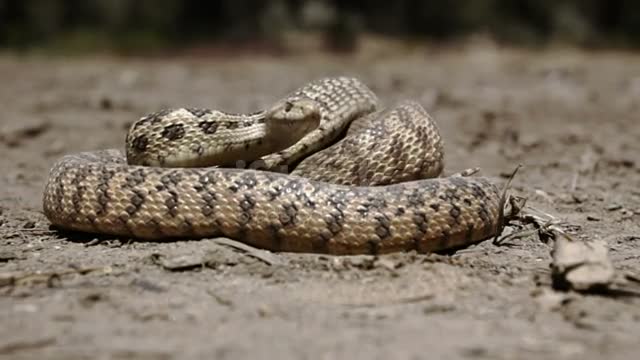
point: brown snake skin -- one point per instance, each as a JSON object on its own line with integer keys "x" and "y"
{"x": 328, "y": 204}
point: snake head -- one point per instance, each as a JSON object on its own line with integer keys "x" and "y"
{"x": 292, "y": 119}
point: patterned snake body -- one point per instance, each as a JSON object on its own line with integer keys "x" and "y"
{"x": 328, "y": 204}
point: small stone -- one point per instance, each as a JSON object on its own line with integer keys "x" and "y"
{"x": 106, "y": 103}
{"x": 579, "y": 198}
{"x": 386, "y": 264}
{"x": 626, "y": 214}
{"x": 581, "y": 265}
{"x": 614, "y": 207}
{"x": 91, "y": 298}
{"x": 265, "y": 311}
{"x": 93, "y": 242}
{"x": 181, "y": 262}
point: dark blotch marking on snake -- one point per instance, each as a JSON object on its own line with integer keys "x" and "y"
{"x": 58, "y": 192}
{"x": 477, "y": 191}
{"x": 483, "y": 213}
{"x": 197, "y": 149}
{"x": 247, "y": 204}
{"x": 152, "y": 118}
{"x": 207, "y": 195}
{"x": 209, "y": 199}
{"x": 135, "y": 202}
{"x": 80, "y": 175}
{"x": 455, "y": 213}
{"x": 335, "y": 221}
{"x": 135, "y": 178}
{"x": 208, "y": 127}
{"x": 289, "y": 214}
{"x": 172, "y": 203}
{"x": 383, "y": 229}
{"x": 173, "y": 132}
{"x": 140, "y": 143}
{"x": 288, "y": 106}
{"x": 171, "y": 179}
{"x": 421, "y": 221}
{"x": 169, "y": 182}
{"x": 450, "y": 195}
{"x": 102, "y": 190}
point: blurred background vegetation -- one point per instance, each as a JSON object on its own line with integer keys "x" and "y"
{"x": 152, "y": 25}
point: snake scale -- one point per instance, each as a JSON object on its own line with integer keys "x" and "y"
{"x": 358, "y": 179}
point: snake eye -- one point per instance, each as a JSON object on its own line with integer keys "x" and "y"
{"x": 288, "y": 106}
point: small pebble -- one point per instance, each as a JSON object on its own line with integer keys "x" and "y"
{"x": 580, "y": 198}
{"x": 106, "y": 103}
{"x": 614, "y": 207}
{"x": 29, "y": 225}
{"x": 265, "y": 311}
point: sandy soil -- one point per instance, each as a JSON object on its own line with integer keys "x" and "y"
{"x": 570, "y": 118}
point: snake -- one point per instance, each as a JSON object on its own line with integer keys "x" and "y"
{"x": 325, "y": 169}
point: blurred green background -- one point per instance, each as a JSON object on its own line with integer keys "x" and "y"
{"x": 151, "y": 25}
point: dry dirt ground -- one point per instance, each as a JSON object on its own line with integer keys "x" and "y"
{"x": 571, "y": 118}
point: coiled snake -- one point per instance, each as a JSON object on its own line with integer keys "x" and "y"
{"x": 372, "y": 190}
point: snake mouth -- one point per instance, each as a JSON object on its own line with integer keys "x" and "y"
{"x": 289, "y": 121}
